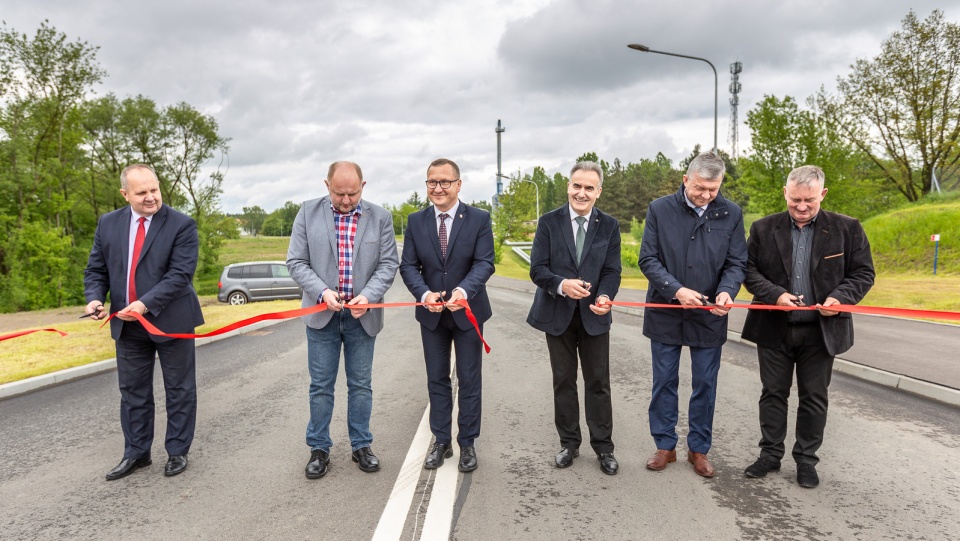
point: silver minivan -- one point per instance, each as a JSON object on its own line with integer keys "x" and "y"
{"x": 257, "y": 281}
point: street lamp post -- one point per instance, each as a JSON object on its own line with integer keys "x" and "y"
{"x": 645, "y": 49}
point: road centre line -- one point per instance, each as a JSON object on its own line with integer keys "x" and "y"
{"x": 439, "y": 515}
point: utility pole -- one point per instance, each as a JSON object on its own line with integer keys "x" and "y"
{"x": 496, "y": 198}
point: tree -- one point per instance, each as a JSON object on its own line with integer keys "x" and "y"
{"x": 279, "y": 223}
{"x": 253, "y": 218}
{"x": 902, "y": 108}
{"x": 784, "y": 137}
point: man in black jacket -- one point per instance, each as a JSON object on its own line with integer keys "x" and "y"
{"x": 575, "y": 263}
{"x": 803, "y": 256}
{"x": 693, "y": 253}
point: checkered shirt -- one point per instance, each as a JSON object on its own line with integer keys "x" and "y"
{"x": 346, "y": 227}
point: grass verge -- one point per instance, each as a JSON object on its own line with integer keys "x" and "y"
{"x": 42, "y": 353}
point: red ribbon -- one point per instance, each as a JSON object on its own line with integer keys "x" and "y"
{"x": 851, "y": 308}
{"x": 23, "y": 333}
{"x": 288, "y": 314}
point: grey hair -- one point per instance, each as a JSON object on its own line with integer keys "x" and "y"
{"x": 127, "y": 169}
{"x": 588, "y": 166}
{"x": 707, "y": 166}
{"x": 806, "y": 175}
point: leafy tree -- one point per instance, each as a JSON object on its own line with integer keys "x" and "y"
{"x": 253, "y": 218}
{"x": 279, "y": 223}
{"x": 902, "y": 108}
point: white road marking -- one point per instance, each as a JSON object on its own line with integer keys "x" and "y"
{"x": 439, "y": 515}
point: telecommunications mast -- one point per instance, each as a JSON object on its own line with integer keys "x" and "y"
{"x": 735, "y": 70}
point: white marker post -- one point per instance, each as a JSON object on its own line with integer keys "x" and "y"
{"x": 936, "y": 251}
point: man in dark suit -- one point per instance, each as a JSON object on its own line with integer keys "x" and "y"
{"x": 448, "y": 256}
{"x": 575, "y": 263}
{"x": 801, "y": 257}
{"x": 144, "y": 256}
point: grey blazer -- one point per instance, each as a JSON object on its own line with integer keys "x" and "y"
{"x": 312, "y": 258}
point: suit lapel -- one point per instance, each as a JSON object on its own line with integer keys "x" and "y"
{"x": 821, "y": 236}
{"x": 566, "y": 230}
{"x": 326, "y": 216}
{"x": 781, "y": 235}
{"x": 594, "y": 225}
{"x": 126, "y": 215}
{"x": 458, "y": 220}
{"x": 361, "y": 227}
{"x": 155, "y": 224}
{"x": 430, "y": 215}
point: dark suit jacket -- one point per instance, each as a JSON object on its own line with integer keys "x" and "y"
{"x": 553, "y": 259}
{"x": 841, "y": 267}
{"x": 469, "y": 262}
{"x": 165, "y": 271}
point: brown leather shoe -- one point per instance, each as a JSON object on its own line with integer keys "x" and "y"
{"x": 701, "y": 465}
{"x": 661, "y": 458}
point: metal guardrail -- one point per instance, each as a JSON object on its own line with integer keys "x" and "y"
{"x": 518, "y": 248}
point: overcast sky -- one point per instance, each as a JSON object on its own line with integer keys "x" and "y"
{"x": 395, "y": 84}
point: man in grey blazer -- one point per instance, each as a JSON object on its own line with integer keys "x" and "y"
{"x": 342, "y": 253}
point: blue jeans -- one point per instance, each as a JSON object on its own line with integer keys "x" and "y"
{"x": 705, "y": 366}
{"x": 323, "y": 358}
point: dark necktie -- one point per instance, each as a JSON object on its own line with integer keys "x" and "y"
{"x": 581, "y": 233}
{"x": 443, "y": 235}
{"x": 137, "y": 246}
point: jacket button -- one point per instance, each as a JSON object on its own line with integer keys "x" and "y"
{"x": 689, "y": 266}
{"x": 692, "y": 238}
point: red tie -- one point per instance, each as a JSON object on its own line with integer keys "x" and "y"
{"x": 137, "y": 246}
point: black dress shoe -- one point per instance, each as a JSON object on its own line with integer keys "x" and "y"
{"x": 565, "y": 457}
{"x": 608, "y": 463}
{"x": 436, "y": 455}
{"x": 128, "y": 466}
{"x": 762, "y": 467}
{"x": 317, "y": 467}
{"x": 175, "y": 465}
{"x": 367, "y": 461}
{"x": 807, "y": 475}
{"x": 468, "y": 458}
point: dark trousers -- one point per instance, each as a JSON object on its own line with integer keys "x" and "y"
{"x": 664, "y": 401}
{"x": 436, "y": 353}
{"x": 594, "y": 353}
{"x": 135, "y": 359}
{"x": 802, "y": 351}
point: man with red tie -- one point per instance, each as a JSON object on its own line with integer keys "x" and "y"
{"x": 144, "y": 255}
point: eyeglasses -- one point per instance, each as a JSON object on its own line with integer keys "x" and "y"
{"x": 442, "y": 183}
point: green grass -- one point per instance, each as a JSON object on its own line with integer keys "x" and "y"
{"x": 239, "y": 250}
{"x": 900, "y": 240}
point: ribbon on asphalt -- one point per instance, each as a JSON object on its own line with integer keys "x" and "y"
{"x": 289, "y": 314}
{"x": 851, "y": 308}
{"x": 24, "y": 333}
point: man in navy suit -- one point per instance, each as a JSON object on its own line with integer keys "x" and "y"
{"x": 448, "y": 256}
{"x": 575, "y": 263}
{"x": 144, "y": 256}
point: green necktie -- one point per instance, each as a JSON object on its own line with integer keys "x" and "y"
{"x": 581, "y": 233}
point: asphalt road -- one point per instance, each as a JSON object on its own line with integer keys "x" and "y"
{"x": 890, "y": 466}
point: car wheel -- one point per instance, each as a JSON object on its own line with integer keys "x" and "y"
{"x": 237, "y": 298}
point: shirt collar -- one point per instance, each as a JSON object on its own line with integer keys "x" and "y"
{"x": 690, "y": 203}
{"x": 134, "y": 216}
{"x": 813, "y": 221}
{"x": 355, "y": 212}
{"x": 573, "y": 213}
{"x": 452, "y": 212}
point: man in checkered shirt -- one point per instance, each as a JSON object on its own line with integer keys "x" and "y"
{"x": 342, "y": 253}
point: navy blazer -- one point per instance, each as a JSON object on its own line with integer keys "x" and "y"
{"x": 841, "y": 267}
{"x": 707, "y": 254}
{"x": 165, "y": 271}
{"x": 469, "y": 262}
{"x": 553, "y": 259}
